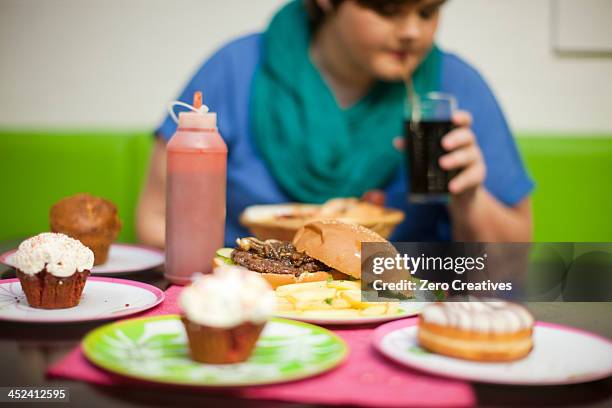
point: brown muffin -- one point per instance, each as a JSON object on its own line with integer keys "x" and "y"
{"x": 92, "y": 220}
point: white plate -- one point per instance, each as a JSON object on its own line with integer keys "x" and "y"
{"x": 407, "y": 309}
{"x": 103, "y": 298}
{"x": 561, "y": 355}
{"x": 121, "y": 258}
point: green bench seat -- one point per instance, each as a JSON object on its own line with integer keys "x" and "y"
{"x": 573, "y": 196}
{"x": 41, "y": 167}
{"x": 571, "y": 201}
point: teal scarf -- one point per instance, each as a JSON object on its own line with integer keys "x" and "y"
{"x": 315, "y": 149}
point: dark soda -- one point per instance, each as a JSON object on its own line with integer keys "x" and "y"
{"x": 423, "y": 150}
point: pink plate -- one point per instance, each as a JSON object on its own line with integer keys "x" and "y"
{"x": 102, "y": 299}
{"x": 561, "y": 355}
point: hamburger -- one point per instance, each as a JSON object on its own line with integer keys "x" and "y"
{"x": 321, "y": 250}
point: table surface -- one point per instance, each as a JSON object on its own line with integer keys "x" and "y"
{"x": 27, "y": 350}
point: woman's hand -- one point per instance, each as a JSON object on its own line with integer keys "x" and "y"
{"x": 475, "y": 213}
{"x": 463, "y": 155}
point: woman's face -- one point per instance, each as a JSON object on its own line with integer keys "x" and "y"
{"x": 387, "y": 47}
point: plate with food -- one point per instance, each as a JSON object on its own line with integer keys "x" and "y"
{"x": 94, "y": 221}
{"x": 53, "y": 285}
{"x": 337, "y": 302}
{"x": 156, "y": 349}
{"x": 224, "y": 337}
{"x": 101, "y": 299}
{"x": 495, "y": 342}
{"x": 316, "y": 277}
{"x": 281, "y": 221}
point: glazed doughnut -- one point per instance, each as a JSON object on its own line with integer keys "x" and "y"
{"x": 481, "y": 331}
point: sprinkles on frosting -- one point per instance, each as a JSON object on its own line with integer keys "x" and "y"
{"x": 59, "y": 254}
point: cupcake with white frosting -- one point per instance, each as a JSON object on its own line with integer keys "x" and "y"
{"x": 224, "y": 313}
{"x": 477, "y": 330}
{"x": 52, "y": 269}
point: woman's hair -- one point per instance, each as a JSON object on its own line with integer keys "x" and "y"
{"x": 382, "y": 7}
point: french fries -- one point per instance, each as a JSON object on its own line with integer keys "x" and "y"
{"x": 329, "y": 299}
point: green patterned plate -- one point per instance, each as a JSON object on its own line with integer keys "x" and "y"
{"x": 155, "y": 349}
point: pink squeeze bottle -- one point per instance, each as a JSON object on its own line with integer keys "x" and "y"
{"x": 195, "y": 193}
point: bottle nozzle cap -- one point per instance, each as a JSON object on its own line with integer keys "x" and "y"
{"x": 197, "y": 100}
{"x": 198, "y": 115}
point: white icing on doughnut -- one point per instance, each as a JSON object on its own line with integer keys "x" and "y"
{"x": 491, "y": 316}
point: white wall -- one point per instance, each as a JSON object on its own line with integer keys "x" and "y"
{"x": 510, "y": 42}
{"x": 115, "y": 63}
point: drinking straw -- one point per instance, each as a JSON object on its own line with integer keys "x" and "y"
{"x": 413, "y": 97}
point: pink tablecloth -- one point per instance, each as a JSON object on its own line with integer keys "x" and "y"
{"x": 365, "y": 379}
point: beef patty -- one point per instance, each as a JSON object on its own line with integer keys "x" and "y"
{"x": 272, "y": 256}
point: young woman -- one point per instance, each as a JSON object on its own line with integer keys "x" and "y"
{"x": 312, "y": 109}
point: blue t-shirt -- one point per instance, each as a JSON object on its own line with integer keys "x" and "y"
{"x": 225, "y": 80}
